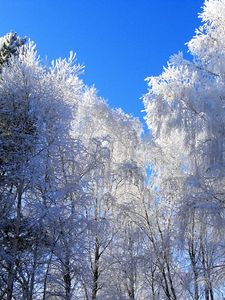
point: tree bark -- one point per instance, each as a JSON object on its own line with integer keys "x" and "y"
{"x": 12, "y": 266}
{"x": 96, "y": 270}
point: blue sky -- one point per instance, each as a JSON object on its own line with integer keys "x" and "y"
{"x": 120, "y": 42}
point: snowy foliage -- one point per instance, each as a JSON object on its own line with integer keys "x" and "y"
{"x": 63, "y": 179}
{"x": 185, "y": 113}
{"x": 89, "y": 208}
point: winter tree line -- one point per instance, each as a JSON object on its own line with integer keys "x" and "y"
{"x": 92, "y": 208}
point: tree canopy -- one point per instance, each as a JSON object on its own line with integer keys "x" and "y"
{"x": 93, "y": 208}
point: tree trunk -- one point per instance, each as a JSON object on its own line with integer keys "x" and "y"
{"x": 67, "y": 276}
{"x": 12, "y": 266}
{"x": 194, "y": 269}
{"x": 31, "y": 285}
{"x": 96, "y": 270}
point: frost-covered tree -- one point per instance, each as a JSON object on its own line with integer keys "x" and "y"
{"x": 63, "y": 182}
{"x": 185, "y": 113}
{"x": 91, "y": 210}
{"x": 36, "y": 112}
{"x": 9, "y": 46}
{"x": 116, "y": 138}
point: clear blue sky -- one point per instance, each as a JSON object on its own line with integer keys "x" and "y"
{"x": 120, "y": 42}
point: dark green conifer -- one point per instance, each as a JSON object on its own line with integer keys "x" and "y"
{"x": 9, "y": 45}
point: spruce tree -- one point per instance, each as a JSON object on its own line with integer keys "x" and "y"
{"x": 9, "y": 45}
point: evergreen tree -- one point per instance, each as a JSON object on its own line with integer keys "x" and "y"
{"x": 9, "y": 45}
